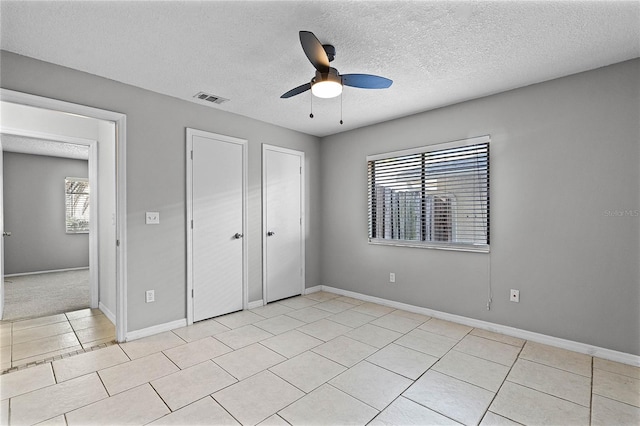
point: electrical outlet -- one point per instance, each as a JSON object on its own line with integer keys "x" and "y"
{"x": 514, "y": 296}
{"x": 152, "y": 218}
{"x": 392, "y": 277}
{"x": 151, "y": 296}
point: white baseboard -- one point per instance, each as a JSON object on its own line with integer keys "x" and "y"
{"x": 107, "y": 312}
{"x": 160, "y": 328}
{"x": 571, "y": 345}
{"x": 255, "y": 304}
{"x": 46, "y": 272}
{"x": 314, "y": 289}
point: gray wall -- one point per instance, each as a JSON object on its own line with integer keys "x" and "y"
{"x": 563, "y": 154}
{"x": 34, "y": 209}
{"x": 156, "y": 178}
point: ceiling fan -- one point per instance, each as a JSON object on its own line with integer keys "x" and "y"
{"x": 328, "y": 82}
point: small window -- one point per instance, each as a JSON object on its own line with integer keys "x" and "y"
{"x": 435, "y": 196}
{"x": 77, "y": 205}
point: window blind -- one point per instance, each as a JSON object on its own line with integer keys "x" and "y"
{"x": 434, "y": 196}
{"x": 77, "y": 205}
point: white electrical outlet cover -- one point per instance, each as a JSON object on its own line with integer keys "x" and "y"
{"x": 152, "y": 218}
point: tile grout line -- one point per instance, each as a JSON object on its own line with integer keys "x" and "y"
{"x": 502, "y": 384}
{"x": 591, "y": 392}
{"x": 310, "y": 350}
{"x": 56, "y": 357}
{"x": 222, "y": 406}
{"x": 428, "y": 369}
{"x": 59, "y": 356}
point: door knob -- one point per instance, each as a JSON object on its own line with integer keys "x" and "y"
{"x": 6, "y": 234}
{"x": 238, "y": 235}
{"x": 270, "y": 234}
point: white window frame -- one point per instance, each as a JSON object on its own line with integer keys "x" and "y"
{"x": 66, "y": 206}
{"x": 454, "y": 244}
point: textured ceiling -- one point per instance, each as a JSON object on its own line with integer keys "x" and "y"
{"x": 24, "y": 145}
{"x": 436, "y": 52}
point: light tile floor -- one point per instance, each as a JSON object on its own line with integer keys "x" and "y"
{"x": 34, "y": 340}
{"x": 326, "y": 360}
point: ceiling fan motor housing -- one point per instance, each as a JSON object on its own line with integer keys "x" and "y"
{"x": 332, "y": 75}
{"x": 330, "y": 50}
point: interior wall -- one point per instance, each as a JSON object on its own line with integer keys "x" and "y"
{"x": 25, "y": 118}
{"x": 565, "y": 197}
{"x": 156, "y": 178}
{"x": 34, "y": 213}
{"x": 107, "y": 222}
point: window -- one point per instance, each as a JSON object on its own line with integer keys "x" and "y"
{"x": 435, "y": 196}
{"x": 77, "y": 205}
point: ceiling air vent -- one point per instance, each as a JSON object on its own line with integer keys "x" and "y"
{"x": 210, "y": 98}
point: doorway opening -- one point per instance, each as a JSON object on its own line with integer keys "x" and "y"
{"x": 43, "y": 124}
{"x": 50, "y": 243}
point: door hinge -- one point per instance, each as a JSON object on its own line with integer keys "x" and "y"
{"x": 117, "y": 243}
{"x": 192, "y": 293}
{"x": 300, "y": 169}
{"x": 192, "y": 154}
{"x": 191, "y": 223}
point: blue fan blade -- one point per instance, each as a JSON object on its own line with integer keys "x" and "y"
{"x": 297, "y": 90}
{"x": 366, "y": 81}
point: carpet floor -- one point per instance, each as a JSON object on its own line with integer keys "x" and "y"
{"x": 31, "y": 296}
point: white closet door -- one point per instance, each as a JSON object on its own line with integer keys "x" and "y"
{"x": 217, "y": 234}
{"x": 283, "y": 222}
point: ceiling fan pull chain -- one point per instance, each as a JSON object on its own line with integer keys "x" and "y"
{"x": 311, "y": 115}
{"x": 341, "y": 95}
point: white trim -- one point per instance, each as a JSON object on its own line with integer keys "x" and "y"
{"x": 190, "y": 133}
{"x": 255, "y": 304}
{"x": 1, "y": 237}
{"x": 571, "y": 345}
{"x": 94, "y": 233}
{"x": 189, "y": 217}
{"x": 433, "y": 147}
{"x": 107, "y": 313}
{"x": 156, "y": 329}
{"x": 45, "y": 136}
{"x": 47, "y": 272}
{"x": 314, "y": 289}
{"x": 303, "y": 219}
{"x": 120, "y": 121}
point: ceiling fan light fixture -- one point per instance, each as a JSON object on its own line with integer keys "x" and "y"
{"x": 327, "y": 85}
{"x": 326, "y": 89}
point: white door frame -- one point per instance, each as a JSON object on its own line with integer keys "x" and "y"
{"x": 94, "y": 236}
{"x": 266, "y": 147}
{"x": 188, "y": 225}
{"x": 2, "y": 230}
{"x": 120, "y": 121}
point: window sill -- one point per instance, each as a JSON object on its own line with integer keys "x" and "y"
{"x": 423, "y": 245}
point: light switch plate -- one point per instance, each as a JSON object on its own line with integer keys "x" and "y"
{"x": 152, "y": 218}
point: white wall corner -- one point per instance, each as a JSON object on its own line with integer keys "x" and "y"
{"x": 314, "y": 289}
{"x": 255, "y": 304}
{"x": 107, "y": 312}
{"x": 570, "y": 345}
{"x": 155, "y": 329}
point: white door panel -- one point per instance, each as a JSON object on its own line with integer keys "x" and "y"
{"x": 283, "y": 223}
{"x": 217, "y": 212}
